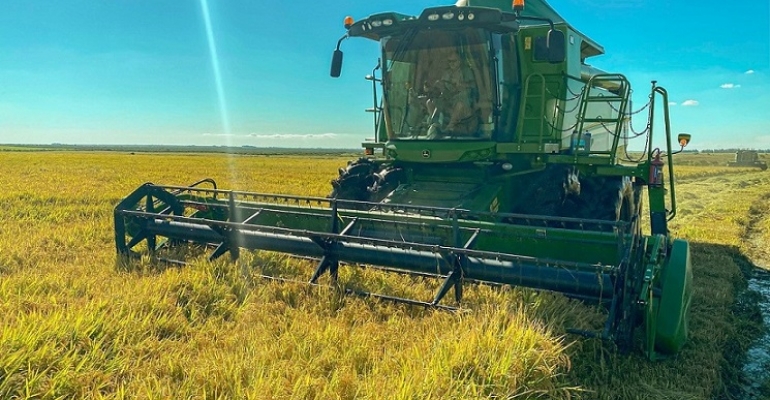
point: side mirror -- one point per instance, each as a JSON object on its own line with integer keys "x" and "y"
{"x": 336, "y": 63}
{"x": 556, "y": 46}
{"x": 683, "y": 139}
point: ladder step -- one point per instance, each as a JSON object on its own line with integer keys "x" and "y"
{"x": 610, "y": 120}
{"x": 603, "y": 98}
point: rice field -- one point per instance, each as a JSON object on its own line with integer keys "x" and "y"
{"x": 79, "y": 324}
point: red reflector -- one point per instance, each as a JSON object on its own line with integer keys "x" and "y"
{"x": 200, "y": 207}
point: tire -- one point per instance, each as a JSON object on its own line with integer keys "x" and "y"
{"x": 560, "y": 192}
{"x": 386, "y": 181}
{"x": 603, "y": 198}
{"x": 364, "y": 180}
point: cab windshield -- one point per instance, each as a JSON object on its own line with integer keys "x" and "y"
{"x": 438, "y": 85}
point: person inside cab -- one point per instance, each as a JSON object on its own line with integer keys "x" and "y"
{"x": 440, "y": 88}
{"x": 446, "y": 91}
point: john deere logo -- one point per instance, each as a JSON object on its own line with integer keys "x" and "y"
{"x": 426, "y": 154}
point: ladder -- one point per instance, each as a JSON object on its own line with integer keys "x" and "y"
{"x": 608, "y": 93}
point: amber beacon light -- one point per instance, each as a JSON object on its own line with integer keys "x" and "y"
{"x": 348, "y": 22}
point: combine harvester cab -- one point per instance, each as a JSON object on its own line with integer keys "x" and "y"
{"x": 496, "y": 159}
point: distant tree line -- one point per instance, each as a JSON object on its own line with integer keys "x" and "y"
{"x": 179, "y": 149}
{"x": 729, "y": 150}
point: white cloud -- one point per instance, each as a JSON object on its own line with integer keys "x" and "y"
{"x": 672, "y": 103}
{"x": 276, "y": 135}
{"x": 293, "y": 136}
{"x": 690, "y": 103}
{"x": 219, "y": 134}
{"x": 729, "y": 86}
{"x": 749, "y": 72}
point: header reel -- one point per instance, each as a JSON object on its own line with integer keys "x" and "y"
{"x": 614, "y": 266}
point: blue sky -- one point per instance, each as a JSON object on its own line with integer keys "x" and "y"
{"x": 141, "y": 71}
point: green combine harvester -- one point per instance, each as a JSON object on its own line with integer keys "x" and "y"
{"x": 499, "y": 157}
{"x": 747, "y": 158}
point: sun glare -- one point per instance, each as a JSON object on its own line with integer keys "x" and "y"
{"x": 217, "y": 79}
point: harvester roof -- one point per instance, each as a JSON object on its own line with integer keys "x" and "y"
{"x": 539, "y": 9}
{"x": 385, "y": 24}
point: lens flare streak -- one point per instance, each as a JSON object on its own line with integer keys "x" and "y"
{"x": 215, "y": 66}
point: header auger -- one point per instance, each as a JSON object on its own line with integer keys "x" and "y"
{"x": 495, "y": 160}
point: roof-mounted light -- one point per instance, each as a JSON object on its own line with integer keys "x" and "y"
{"x": 518, "y": 5}
{"x": 387, "y": 21}
{"x": 348, "y": 22}
{"x": 376, "y": 23}
{"x": 483, "y": 17}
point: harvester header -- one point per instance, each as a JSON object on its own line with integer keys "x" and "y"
{"x": 499, "y": 157}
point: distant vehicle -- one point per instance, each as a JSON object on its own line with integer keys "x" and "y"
{"x": 747, "y": 158}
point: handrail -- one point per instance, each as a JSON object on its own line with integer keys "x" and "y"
{"x": 622, "y": 97}
{"x": 669, "y": 153}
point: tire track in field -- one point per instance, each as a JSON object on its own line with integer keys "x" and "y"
{"x": 753, "y": 236}
{"x": 702, "y": 196}
{"x": 756, "y": 371}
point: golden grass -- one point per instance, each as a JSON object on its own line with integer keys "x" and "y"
{"x": 79, "y": 324}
